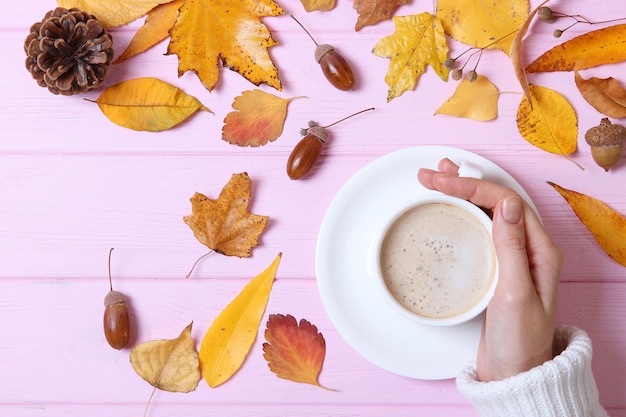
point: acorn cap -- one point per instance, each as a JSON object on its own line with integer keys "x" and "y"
{"x": 322, "y": 50}
{"x": 114, "y": 297}
{"x": 319, "y": 132}
{"x": 606, "y": 134}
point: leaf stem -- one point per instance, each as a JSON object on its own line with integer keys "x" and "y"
{"x": 196, "y": 262}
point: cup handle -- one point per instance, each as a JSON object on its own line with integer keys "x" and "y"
{"x": 470, "y": 170}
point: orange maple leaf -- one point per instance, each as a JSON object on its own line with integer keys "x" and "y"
{"x": 260, "y": 119}
{"x": 225, "y": 225}
{"x": 295, "y": 351}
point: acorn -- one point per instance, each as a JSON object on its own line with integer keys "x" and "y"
{"x": 607, "y": 142}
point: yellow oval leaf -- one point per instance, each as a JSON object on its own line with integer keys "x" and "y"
{"x": 156, "y": 28}
{"x": 229, "y": 339}
{"x": 318, "y": 5}
{"x": 170, "y": 365}
{"x": 606, "y": 225}
{"x": 605, "y": 95}
{"x": 603, "y": 46}
{"x": 483, "y": 23}
{"x": 147, "y": 104}
{"x": 477, "y": 100}
{"x": 550, "y": 123}
{"x": 113, "y": 13}
{"x": 260, "y": 119}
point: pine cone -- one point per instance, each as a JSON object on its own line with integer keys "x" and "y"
{"x": 69, "y": 51}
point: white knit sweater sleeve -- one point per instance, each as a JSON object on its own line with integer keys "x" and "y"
{"x": 562, "y": 387}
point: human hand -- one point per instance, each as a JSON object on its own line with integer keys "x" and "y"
{"x": 520, "y": 318}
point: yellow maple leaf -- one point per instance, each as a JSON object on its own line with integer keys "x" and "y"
{"x": 260, "y": 119}
{"x": 113, "y": 13}
{"x": 225, "y": 225}
{"x": 603, "y": 46}
{"x": 550, "y": 123}
{"x": 606, "y": 225}
{"x": 156, "y": 28}
{"x": 476, "y": 100}
{"x": 229, "y": 339}
{"x": 483, "y": 23}
{"x": 147, "y": 104}
{"x": 209, "y": 32}
{"x": 417, "y": 41}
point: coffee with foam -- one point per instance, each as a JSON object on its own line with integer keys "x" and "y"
{"x": 438, "y": 260}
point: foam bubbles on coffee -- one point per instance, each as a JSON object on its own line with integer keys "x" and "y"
{"x": 437, "y": 260}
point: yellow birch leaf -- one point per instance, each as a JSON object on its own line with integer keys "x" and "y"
{"x": 229, "y": 339}
{"x": 483, "y": 23}
{"x": 606, "y": 225}
{"x": 605, "y": 94}
{"x": 417, "y": 41}
{"x": 550, "y": 124}
{"x": 210, "y": 32}
{"x": 156, "y": 28}
{"x": 113, "y": 13}
{"x": 318, "y": 5}
{"x": 147, "y": 104}
{"x": 169, "y": 365}
{"x": 260, "y": 119}
{"x": 477, "y": 100}
{"x": 603, "y": 46}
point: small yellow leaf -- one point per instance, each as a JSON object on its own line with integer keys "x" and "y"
{"x": 603, "y": 46}
{"x": 147, "y": 104}
{"x": 606, "y": 225}
{"x": 113, "y": 13}
{"x": 229, "y": 339}
{"x": 483, "y": 23}
{"x": 170, "y": 365}
{"x": 260, "y": 119}
{"x": 318, "y": 5}
{"x": 417, "y": 41}
{"x": 156, "y": 28}
{"x": 550, "y": 124}
{"x": 605, "y": 94}
{"x": 477, "y": 100}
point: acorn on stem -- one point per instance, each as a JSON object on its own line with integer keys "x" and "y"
{"x": 607, "y": 142}
{"x": 116, "y": 318}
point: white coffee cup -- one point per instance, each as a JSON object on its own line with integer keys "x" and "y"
{"x": 434, "y": 260}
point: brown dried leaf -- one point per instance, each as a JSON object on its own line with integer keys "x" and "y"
{"x": 605, "y": 94}
{"x": 374, "y": 11}
{"x": 225, "y": 225}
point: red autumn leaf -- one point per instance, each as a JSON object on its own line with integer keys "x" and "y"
{"x": 295, "y": 351}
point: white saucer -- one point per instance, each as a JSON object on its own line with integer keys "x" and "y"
{"x": 346, "y": 285}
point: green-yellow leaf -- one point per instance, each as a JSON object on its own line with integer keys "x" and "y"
{"x": 417, "y": 41}
{"x": 483, "y": 23}
{"x": 550, "y": 123}
{"x": 477, "y": 100}
{"x": 606, "y": 225}
{"x": 229, "y": 339}
{"x": 113, "y": 13}
{"x": 147, "y": 104}
{"x": 603, "y": 46}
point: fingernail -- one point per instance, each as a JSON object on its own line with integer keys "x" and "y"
{"x": 512, "y": 209}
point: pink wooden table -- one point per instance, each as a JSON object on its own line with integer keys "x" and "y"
{"x": 73, "y": 184}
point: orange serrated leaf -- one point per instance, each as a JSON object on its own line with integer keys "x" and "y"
{"x": 606, "y": 225}
{"x": 417, "y": 41}
{"x": 113, "y": 13}
{"x": 605, "y": 95}
{"x": 374, "y": 11}
{"x": 260, "y": 119}
{"x": 225, "y": 225}
{"x": 550, "y": 123}
{"x": 147, "y": 104}
{"x": 229, "y": 339}
{"x": 210, "y": 32}
{"x": 603, "y": 46}
{"x": 294, "y": 351}
{"x": 156, "y": 28}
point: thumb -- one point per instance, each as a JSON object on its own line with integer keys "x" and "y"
{"x": 509, "y": 237}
